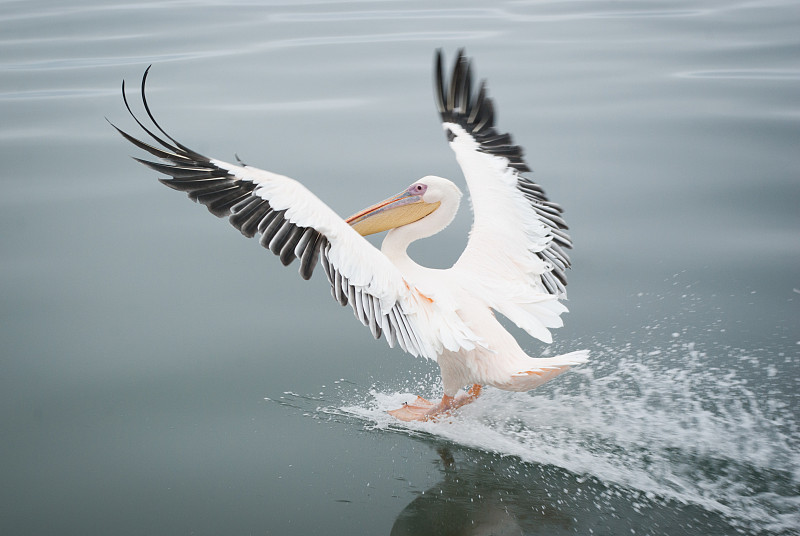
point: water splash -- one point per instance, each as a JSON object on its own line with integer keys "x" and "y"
{"x": 661, "y": 425}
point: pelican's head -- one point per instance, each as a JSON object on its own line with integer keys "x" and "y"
{"x": 430, "y": 198}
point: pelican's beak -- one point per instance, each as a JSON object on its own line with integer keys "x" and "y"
{"x": 401, "y": 209}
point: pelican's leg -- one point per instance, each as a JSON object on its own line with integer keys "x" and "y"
{"x": 473, "y": 393}
{"x": 422, "y": 410}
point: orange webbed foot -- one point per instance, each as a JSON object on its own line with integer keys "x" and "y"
{"x": 415, "y": 411}
{"x": 423, "y": 410}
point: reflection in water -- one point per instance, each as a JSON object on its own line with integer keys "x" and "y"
{"x": 474, "y": 500}
{"x": 485, "y": 494}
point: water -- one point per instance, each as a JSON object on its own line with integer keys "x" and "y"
{"x": 161, "y": 374}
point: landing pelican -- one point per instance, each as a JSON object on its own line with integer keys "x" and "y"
{"x": 514, "y": 262}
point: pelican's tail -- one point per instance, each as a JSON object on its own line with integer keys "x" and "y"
{"x": 543, "y": 369}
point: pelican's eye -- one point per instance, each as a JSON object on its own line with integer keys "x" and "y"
{"x": 418, "y": 189}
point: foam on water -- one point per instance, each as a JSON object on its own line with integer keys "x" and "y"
{"x": 661, "y": 425}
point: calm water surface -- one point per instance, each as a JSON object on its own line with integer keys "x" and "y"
{"x": 162, "y": 375}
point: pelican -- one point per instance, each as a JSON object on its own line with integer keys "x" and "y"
{"x": 514, "y": 262}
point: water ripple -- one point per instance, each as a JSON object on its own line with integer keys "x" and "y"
{"x": 743, "y": 74}
{"x": 464, "y": 36}
{"x": 313, "y": 105}
{"x": 103, "y": 61}
{"x": 390, "y": 14}
{"x": 46, "y": 94}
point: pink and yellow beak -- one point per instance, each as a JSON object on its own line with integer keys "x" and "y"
{"x": 401, "y": 209}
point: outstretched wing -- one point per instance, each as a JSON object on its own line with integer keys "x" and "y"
{"x": 294, "y": 224}
{"x": 516, "y": 249}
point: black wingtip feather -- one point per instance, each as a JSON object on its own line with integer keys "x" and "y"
{"x": 223, "y": 193}
{"x": 475, "y": 114}
{"x": 185, "y": 149}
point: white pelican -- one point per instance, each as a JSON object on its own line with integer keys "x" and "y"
{"x": 514, "y": 262}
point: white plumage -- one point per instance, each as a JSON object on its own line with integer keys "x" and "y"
{"x": 514, "y": 262}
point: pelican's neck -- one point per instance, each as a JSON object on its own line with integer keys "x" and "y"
{"x": 395, "y": 245}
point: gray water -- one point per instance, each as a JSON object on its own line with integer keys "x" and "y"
{"x": 160, "y": 374}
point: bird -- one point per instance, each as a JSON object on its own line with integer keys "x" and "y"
{"x": 514, "y": 262}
